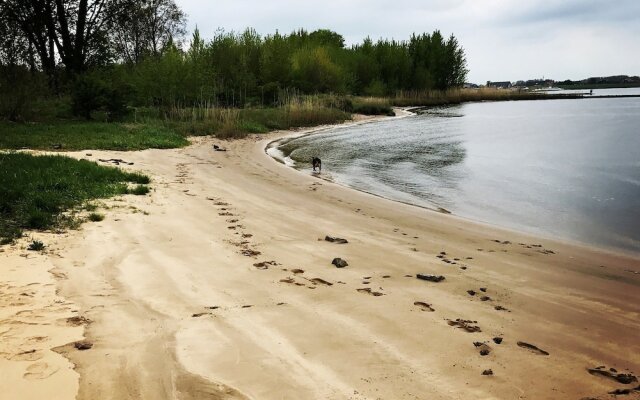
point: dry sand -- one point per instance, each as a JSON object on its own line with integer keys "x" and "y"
{"x": 219, "y": 285}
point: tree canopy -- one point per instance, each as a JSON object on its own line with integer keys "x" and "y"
{"x": 139, "y": 45}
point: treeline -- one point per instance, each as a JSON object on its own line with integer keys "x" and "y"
{"x": 602, "y": 82}
{"x": 113, "y": 54}
{"x": 247, "y": 69}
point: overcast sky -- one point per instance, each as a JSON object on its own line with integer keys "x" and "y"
{"x": 503, "y": 39}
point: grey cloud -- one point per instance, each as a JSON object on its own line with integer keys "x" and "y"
{"x": 577, "y": 11}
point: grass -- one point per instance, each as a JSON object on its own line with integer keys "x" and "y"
{"x": 41, "y": 192}
{"x": 95, "y": 217}
{"x": 457, "y": 96}
{"x": 85, "y": 135}
{"x": 36, "y": 245}
{"x": 373, "y": 106}
{"x": 227, "y": 123}
{"x": 139, "y": 190}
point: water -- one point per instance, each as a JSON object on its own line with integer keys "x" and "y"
{"x": 557, "y": 168}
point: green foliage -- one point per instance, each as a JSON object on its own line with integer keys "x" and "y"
{"x": 95, "y": 217}
{"x": 73, "y": 135}
{"x": 86, "y": 96}
{"x": 245, "y": 69}
{"x": 39, "y": 191}
{"x": 36, "y": 245}
{"x": 373, "y": 106}
{"x": 21, "y": 92}
{"x": 100, "y": 91}
{"x": 139, "y": 190}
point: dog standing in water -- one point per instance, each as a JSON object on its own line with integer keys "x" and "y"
{"x": 317, "y": 163}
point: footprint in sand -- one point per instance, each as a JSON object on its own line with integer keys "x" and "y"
{"x": 39, "y": 370}
{"x": 369, "y": 291}
{"x": 465, "y": 325}
{"x": 532, "y": 348}
{"x": 612, "y": 373}
{"x": 483, "y": 348}
{"x": 424, "y": 306}
{"x": 37, "y": 339}
{"x": 265, "y": 264}
{"x": 27, "y": 355}
{"x": 250, "y": 253}
{"x": 319, "y": 281}
{"x": 291, "y": 281}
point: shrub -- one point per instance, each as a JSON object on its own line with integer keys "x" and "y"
{"x": 115, "y": 102}
{"x": 21, "y": 93}
{"x": 36, "y": 245}
{"x": 139, "y": 190}
{"x": 372, "y": 106}
{"x": 87, "y": 95}
{"x": 91, "y": 93}
{"x": 95, "y": 217}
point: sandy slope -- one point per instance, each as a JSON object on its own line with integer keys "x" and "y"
{"x": 178, "y": 311}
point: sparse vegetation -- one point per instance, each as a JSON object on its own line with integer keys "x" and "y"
{"x": 139, "y": 190}
{"x": 35, "y": 245}
{"x": 456, "y": 96}
{"x": 96, "y": 217}
{"x": 373, "y": 106}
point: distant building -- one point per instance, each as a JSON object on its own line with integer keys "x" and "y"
{"x": 499, "y": 85}
{"x": 470, "y": 86}
{"x": 535, "y": 82}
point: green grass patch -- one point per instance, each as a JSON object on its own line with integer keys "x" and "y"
{"x": 36, "y": 245}
{"x": 78, "y": 135}
{"x": 37, "y": 192}
{"x": 139, "y": 190}
{"x": 96, "y": 217}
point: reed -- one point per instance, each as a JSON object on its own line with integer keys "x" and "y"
{"x": 294, "y": 111}
{"x": 457, "y": 96}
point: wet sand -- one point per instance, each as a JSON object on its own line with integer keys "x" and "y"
{"x": 220, "y": 284}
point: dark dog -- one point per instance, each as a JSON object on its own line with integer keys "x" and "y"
{"x": 317, "y": 163}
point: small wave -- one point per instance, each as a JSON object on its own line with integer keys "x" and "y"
{"x": 277, "y": 154}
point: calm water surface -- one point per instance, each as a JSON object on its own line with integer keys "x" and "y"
{"x": 559, "y": 168}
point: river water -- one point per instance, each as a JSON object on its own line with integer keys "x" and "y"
{"x": 556, "y": 168}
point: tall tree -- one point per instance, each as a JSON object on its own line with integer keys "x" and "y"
{"x": 80, "y": 33}
{"x": 145, "y": 27}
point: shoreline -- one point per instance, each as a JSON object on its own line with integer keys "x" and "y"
{"x": 275, "y": 143}
{"x": 220, "y": 284}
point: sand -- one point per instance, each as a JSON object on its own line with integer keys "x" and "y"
{"x": 219, "y": 285}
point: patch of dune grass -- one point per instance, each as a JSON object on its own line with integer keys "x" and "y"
{"x": 96, "y": 217}
{"x": 37, "y": 192}
{"x": 139, "y": 190}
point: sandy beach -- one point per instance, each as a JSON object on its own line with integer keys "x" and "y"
{"x": 220, "y": 285}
